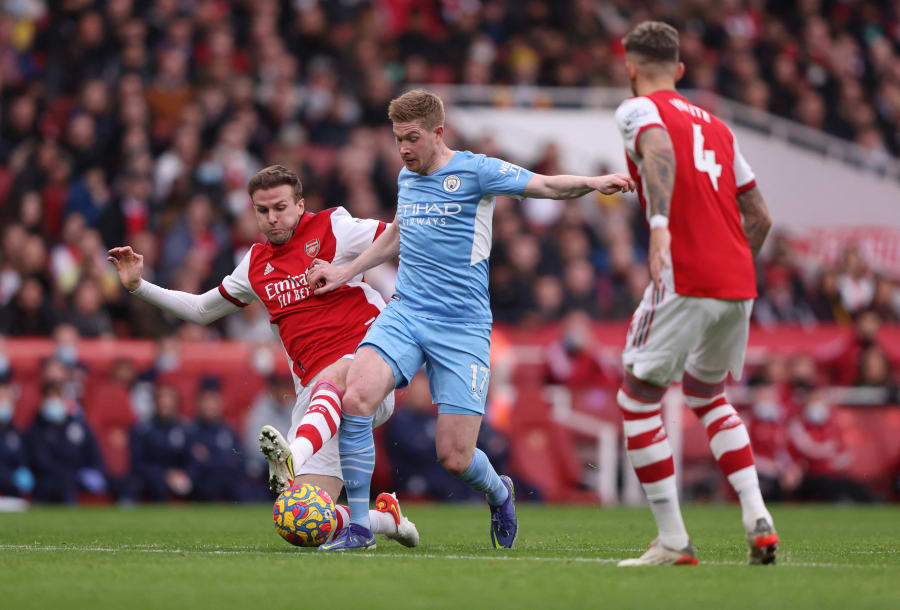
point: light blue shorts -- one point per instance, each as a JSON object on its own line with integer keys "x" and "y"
{"x": 456, "y": 356}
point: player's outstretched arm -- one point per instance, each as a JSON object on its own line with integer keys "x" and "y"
{"x": 658, "y": 158}
{"x": 199, "y": 309}
{"x": 565, "y": 186}
{"x": 757, "y": 221}
{"x": 329, "y": 277}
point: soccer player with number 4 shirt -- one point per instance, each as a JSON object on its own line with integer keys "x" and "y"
{"x": 319, "y": 333}
{"x": 707, "y": 222}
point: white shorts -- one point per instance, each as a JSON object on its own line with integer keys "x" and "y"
{"x": 327, "y": 460}
{"x": 671, "y": 333}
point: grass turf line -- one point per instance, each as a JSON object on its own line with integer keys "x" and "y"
{"x": 230, "y": 557}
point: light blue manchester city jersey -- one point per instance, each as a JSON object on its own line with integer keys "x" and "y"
{"x": 445, "y": 235}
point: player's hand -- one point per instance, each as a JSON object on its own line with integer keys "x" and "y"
{"x": 325, "y": 277}
{"x": 129, "y": 264}
{"x": 613, "y": 183}
{"x": 660, "y": 241}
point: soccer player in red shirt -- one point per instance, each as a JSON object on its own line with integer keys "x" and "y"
{"x": 693, "y": 322}
{"x": 320, "y": 333}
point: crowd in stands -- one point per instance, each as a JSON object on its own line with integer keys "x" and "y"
{"x": 140, "y": 122}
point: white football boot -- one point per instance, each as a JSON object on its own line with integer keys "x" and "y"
{"x": 762, "y": 543}
{"x": 659, "y": 555}
{"x": 278, "y": 454}
{"x": 407, "y": 534}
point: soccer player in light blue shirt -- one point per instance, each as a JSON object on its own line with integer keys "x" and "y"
{"x": 440, "y": 315}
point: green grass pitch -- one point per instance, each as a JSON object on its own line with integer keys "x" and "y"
{"x": 230, "y": 557}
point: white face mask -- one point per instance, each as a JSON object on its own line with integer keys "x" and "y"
{"x": 817, "y": 413}
{"x": 54, "y": 410}
{"x": 6, "y": 411}
{"x": 766, "y": 411}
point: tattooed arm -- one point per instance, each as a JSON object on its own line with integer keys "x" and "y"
{"x": 757, "y": 221}
{"x": 658, "y": 170}
{"x": 658, "y": 173}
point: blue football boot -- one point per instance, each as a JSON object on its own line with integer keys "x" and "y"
{"x": 504, "y": 525}
{"x": 352, "y": 538}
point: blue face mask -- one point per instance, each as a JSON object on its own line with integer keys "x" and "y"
{"x": 67, "y": 354}
{"x": 54, "y": 410}
{"x": 6, "y": 411}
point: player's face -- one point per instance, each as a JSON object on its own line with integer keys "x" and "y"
{"x": 277, "y": 214}
{"x": 417, "y": 145}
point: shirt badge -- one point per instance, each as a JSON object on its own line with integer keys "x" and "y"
{"x": 312, "y": 247}
{"x": 452, "y": 183}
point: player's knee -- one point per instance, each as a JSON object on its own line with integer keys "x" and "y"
{"x": 454, "y": 461}
{"x": 357, "y": 402}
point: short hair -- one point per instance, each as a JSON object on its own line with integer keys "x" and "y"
{"x": 272, "y": 176}
{"x": 653, "y": 41}
{"x": 417, "y": 105}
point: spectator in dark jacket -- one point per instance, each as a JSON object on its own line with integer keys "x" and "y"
{"x": 15, "y": 477}
{"x": 159, "y": 450}
{"x": 62, "y": 451}
{"x": 214, "y": 461}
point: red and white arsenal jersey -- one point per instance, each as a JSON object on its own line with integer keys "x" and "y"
{"x": 710, "y": 253}
{"x": 315, "y": 330}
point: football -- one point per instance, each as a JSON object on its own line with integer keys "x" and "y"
{"x": 304, "y": 515}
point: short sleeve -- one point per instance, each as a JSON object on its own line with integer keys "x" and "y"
{"x": 353, "y": 235}
{"x": 236, "y": 287}
{"x": 498, "y": 177}
{"x": 744, "y": 177}
{"x": 633, "y": 116}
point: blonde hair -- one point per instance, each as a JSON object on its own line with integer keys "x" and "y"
{"x": 417, "y": 105}
{"x": 653, "y": 42}
{"x": 275, "y": 175}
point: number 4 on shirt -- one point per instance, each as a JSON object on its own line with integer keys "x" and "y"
{"x": 705, "y": 160}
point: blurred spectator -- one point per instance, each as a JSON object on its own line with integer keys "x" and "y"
{"x": 159, "y": 450}
{"x": 573, "y": 360}
{"x": 818, "y": 442}
{"x": 30, "y": 312}
{"x": 62, "y": 452}
{"x": 843, "y": 369}
{"x": 215, "y": 464}
{"x": 857, "y": 285}
{"x": 777, "y": 473}
{"x": 272, "y": 407}
{"x": 15, "y": 477}
{"x": 825, "y": 299}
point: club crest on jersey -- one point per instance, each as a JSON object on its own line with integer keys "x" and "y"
{"x": 312, "y": 247}
{"x": 452, "y": 183}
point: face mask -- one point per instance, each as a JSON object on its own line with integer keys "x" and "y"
{"x": 574, "y": 342}
{"x": 6, "y": 411}
{"x": 54, "y": 410}
{"x": 766, "y": 411}
{"x": 817, "y": 413}
{"x": 67, "y": 354}
{"x": 166, "y": 362}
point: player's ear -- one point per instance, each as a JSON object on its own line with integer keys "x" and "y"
{"x": 439, "y": 132}
{"x": 679, "y": 71}
{"x": 301, "y": 203}
{"x": 631, "y": 69}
